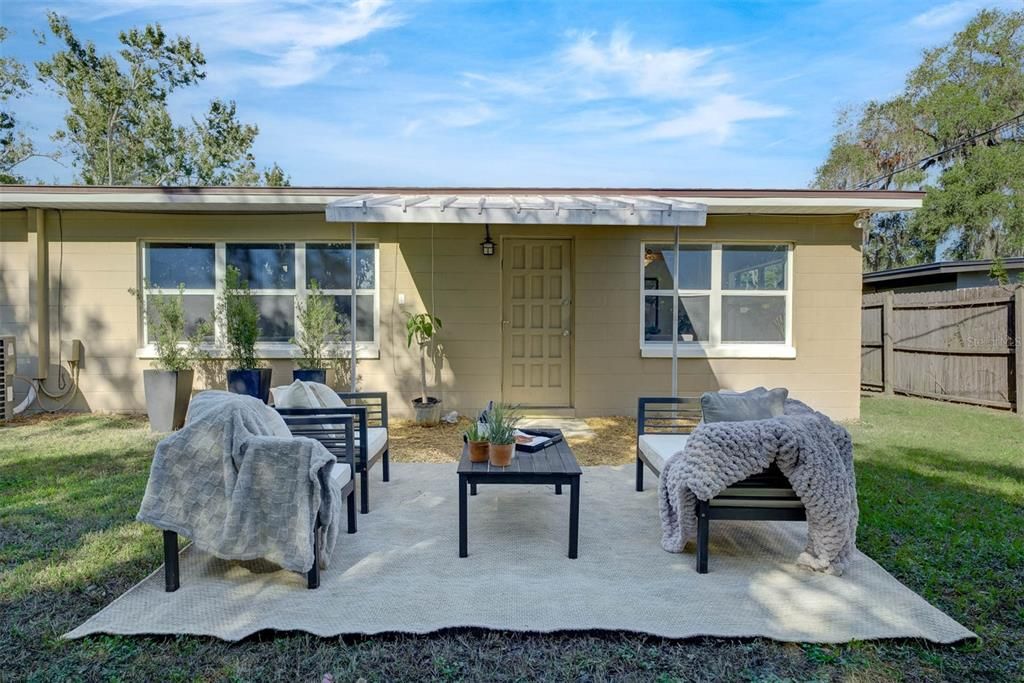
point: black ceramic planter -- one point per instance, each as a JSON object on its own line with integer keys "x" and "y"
{"x": 167, "y": 396}
{"x": 318, "y": 375}
{"x": 250, "y": 382}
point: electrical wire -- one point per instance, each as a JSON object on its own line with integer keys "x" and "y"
{"x": 1017, "y": 120}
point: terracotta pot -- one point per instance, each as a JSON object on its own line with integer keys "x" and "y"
{"x": 500, "y": 455}
{"x": 478, "y": 451}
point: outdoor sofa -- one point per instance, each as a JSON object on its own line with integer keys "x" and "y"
{"x": 339, "y": 438}
{"x": 663, "y": 425}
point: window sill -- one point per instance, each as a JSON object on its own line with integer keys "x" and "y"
{"x": 364, "y": 351}
{"x": 781, "y": 351}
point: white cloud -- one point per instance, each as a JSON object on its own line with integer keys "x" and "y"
{"x": 952, "y": 14}
{"x": 501, "y": 85}
{"x": 286, "y": 43}
{"x": 598, "y": 120}
{"x": 674, "y": 73}
{"x": 714, "y": 119}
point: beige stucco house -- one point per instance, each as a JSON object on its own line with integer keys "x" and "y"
{"x": 572, "y": 314}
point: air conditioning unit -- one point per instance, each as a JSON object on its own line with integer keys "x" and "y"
{"x": 8, "y": 363}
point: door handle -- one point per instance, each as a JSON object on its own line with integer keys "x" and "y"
{"x": 565, "y": 333}
{"x": 506, "y": 322}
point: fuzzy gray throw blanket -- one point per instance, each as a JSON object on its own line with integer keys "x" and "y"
{"x": 814, "y": 453}
{"x": 236, "y": 482}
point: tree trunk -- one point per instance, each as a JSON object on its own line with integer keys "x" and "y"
{"x": 423, "y": 373}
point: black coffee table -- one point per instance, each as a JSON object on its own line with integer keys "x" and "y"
{"x": 555, "y": 464}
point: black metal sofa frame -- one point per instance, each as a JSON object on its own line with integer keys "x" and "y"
{"x": 339, "y": 439}
{"x": 766, "y": 496}
{"x": 368, "y": 409}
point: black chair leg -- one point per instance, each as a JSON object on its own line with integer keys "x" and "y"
{"x": 313, "y": 576}
{"x": 385, "y": 466}
{"x": 639, "y": 474}
{"x": 351, "y": 502}
{"x": 364, "y": 491}
{"x": 171, "y": 581}
{"x": 702, "y": 536}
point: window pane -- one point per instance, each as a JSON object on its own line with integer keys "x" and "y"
{"x": 749, "y": 267}
{"x": 693, "y": 318}
{"x": 754, "y": 319}
{"x": 277, "y": 317}
{"x": 694, "y": 266}
{"x": 364, "y": 315}
{"x": 168, "y": 265}
{"x": 328, "y": 264}
{"x": 264, "y": 266}
{"x": 198, "y": 308}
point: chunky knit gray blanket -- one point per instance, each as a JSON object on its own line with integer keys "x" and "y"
{"x": 814, "y": 453}
{"x": 236, "y": 482}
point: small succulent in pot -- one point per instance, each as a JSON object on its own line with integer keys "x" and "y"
{"x": 476, "y": 437}
{"x": 501, "y": 434}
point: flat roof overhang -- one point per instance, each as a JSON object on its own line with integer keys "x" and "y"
{"x": 316, "y": 199}
{"x": 519, "y": 209}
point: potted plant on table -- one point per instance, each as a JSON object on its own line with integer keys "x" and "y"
{"x": 241, "y": 330}
{"x": 422, "y": 328}
{"x": 168, "y": 385}
{"x": 476, "y": 437}
{"x": 501, "y": 435}
{"x": 318, "y": 323}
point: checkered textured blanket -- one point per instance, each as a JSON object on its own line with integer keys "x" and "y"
{"x": 236, "y": 482}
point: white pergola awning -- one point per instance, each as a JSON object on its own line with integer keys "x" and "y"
{"x": 517, "y": 209}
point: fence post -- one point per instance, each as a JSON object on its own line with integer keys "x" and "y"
{"x": 1018, "y": 348}
{"x": 888, "y": 349}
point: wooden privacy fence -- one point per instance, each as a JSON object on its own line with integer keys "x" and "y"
{"x": 963, "y": 345}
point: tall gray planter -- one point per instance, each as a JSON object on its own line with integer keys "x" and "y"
{"x": 167, "y": 396}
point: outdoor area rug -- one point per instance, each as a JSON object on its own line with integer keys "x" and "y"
{"x": 402, "y": 573}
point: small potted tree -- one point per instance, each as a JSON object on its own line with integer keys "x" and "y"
{"x": 421, "y": 328}
{"x": 168, "y": 385}
{"x": 241, "y": 320}
{"x": 501, "y": 435}
{"x": 318, "y": 323}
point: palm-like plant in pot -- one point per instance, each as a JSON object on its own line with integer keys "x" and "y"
{"x": 422, "y": 328}
{"x": 318, "y": 324}
{"x": 241, "y": 319}
{"x": 168, "y": 385}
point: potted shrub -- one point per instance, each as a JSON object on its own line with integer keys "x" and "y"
{"x": 168, "y": 385}
{"x": 241, "y": 330}
{"x": 501, "y": 435}
{"x": 318, "y": 323}
{"x": 421, "y": 328}
{"x": 476, "y": 437}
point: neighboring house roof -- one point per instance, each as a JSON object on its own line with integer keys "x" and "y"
{"x": 931, "y": 271}
{"x": 316, "y": 199}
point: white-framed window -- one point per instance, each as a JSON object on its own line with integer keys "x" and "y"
{"x": 277, "y": 274}
{"x": 735, "y": 300}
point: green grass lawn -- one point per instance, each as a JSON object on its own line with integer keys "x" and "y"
{"x": 942, "y": 507}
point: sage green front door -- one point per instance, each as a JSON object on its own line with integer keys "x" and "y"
{"x": 537, "y": 322}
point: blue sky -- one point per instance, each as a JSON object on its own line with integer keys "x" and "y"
{"x": 641, "y": 93}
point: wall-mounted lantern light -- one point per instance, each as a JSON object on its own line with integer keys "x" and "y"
{"x": 863, "y": 221}
{"x": 487, "y": 246}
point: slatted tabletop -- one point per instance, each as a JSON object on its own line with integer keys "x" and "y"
{"x": 555, "y": 464}
{"x": 556, "y": 459}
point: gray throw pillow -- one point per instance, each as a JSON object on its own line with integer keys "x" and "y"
{"x": 756, "y": 404}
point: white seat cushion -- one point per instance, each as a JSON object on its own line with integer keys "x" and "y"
{"x": 376, "y": 440}
{"x": 341, "y": 473}
{"x": 658, "y": 448}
